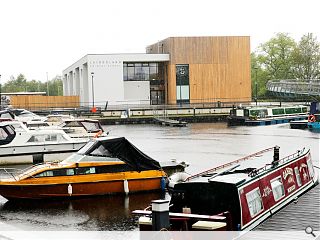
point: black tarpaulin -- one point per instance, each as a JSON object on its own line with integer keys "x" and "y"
{"x": 128, "y": 153}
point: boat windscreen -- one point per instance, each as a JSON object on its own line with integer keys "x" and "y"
{"x": 92, "y": 126}
{"x": 6, "y": 135}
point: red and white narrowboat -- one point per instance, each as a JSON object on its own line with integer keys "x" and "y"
{"x": 249, "y": 189}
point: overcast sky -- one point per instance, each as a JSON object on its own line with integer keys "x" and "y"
{"x": 40, "y": 36}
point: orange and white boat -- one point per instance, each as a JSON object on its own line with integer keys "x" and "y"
{"x": 103, "y": 166}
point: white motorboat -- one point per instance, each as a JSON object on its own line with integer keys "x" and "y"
{"x": 74, "y": 127}
{"x": 24, "y": 115}
{"x": 19, "y": 144}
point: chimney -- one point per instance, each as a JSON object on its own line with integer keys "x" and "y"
{"x": 275, "y": 155}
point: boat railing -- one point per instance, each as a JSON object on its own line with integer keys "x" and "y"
{"x": 18, "y": 174}
{"x": 281, "y": 161}
{"x": 26, "y": 172}
{"x": 228, "y": 164}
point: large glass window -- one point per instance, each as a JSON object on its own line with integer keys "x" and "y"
{"x": 141, "y": 71}
{"x": 277, "y": 188}
{"x": 254, "y": 202}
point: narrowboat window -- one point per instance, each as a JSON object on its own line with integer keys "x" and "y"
{"x": 310, "y": 168}
{"x": 254, "y": 202}
{"x": 92, "y": 170}
{"x": 70, "y": 172}
{"x": 296, "y": 172}
{"x": 277, "y": 188}
{"x": 278, "y": 111}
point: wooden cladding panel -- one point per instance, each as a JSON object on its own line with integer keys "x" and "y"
{"x": 219, "y": 67}
{"x": 44, "y": 102}
{"x": 172, "y": 92}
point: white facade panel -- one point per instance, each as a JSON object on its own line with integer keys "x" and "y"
{"x": 107, "y": 79}
{"x": 137, "y": 91}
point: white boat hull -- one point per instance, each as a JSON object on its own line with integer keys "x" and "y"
{"x": 36, "y": 153}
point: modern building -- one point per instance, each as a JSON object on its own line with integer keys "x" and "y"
{"x": 174, "y": 70}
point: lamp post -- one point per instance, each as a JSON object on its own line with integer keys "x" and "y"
{"x": 92, "y": 74}
{"x": 256, "y": 86}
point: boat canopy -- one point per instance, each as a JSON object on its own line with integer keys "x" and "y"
{"x": 122, "y": 149}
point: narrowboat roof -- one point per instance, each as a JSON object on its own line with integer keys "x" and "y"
{"x": 244, "y": 171}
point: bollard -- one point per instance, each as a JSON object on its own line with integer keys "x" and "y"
{"x": 160, "y": 215}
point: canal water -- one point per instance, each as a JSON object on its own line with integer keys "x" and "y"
{"x": 202, "y": 145}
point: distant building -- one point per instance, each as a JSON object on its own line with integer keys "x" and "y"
{"x": 174, "y": 70}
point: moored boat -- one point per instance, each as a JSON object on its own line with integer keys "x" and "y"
{"x": 246, "y": 191}
{"x": 102, "y": 166}
{"x": 255, "y": 116}
{"x": 314, "y": 121}
{"x": 18, "y": 144}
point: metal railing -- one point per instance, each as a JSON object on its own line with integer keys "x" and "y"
{"x": 310, "y": 87}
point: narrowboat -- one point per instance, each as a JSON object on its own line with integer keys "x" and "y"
{"x": 241, "y": 194}
{"x": 255, "y": 116}
{"x": 102, "y": 166}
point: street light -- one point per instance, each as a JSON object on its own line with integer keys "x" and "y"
{"x": 256, "y": 86}
{"x": 92, "y": 74}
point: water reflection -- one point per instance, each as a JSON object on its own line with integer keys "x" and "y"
{"x": 103, "y": 213}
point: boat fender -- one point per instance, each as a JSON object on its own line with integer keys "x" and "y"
{"x": 98, "y": 134}
{"x": 163, "y": 184}
{"x": 126, "y": 186}
{"x": 70, "y": 189}
{"x": 311, "y": 118}
{"x": 177, "y": 178}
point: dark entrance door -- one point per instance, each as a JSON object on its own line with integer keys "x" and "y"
{"x": 157, "y": 97}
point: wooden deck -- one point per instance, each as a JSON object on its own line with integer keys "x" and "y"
{"x": 298, "y": 215}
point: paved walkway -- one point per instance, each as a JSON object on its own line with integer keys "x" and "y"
{"x": 298, "y": 215}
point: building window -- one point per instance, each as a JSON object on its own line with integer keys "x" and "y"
{"x": 296, "y": 172}
{"x": 141, "y": 71}
{"x": 277, "y": 188}
{"x": 254, "y": 202}
{"x": 182, "y": 83}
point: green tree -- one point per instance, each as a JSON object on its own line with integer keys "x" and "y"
{"x": 307, "y": 58}
{"x": 276, "y": 56}
{"x": 20, "y": 84}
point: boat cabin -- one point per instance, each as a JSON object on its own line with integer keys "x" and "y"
{"x": 265, "y": 112}
{"x": 251, "y": 190}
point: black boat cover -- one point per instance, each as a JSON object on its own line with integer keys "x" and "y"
{"x": 128, "y": 153}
